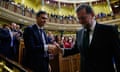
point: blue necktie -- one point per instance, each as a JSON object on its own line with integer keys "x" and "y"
{"x": 41, "y": 31}
{"x": 44, "y": 40}
{"x": 43, "y": 36}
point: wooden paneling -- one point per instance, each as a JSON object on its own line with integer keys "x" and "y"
{"x": 21, "y": 48}
{"x": 59, "y": 63}
{"x": 70, "y": 63}
{"x": 65, "y": 64}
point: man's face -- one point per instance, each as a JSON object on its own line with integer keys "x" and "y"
{"x": 41, "y": 20}
{"x": 84, "y": 18}
{"x": 13, "y": 26}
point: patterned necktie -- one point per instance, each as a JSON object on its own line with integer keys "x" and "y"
{"x": 86, "y": 38}
{"x": 44, "y": 40}
{"x": 40, "y": 30}
{"x": 43, "y": 36}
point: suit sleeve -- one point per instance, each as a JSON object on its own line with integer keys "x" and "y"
{"x": 30, "y": 42}
{"x": 73, "y": 50}
{"x": 116, "y": 46}
{"x": 3, "y": 34}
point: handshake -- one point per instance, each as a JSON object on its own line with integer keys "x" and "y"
{"x": 54, "y": 48}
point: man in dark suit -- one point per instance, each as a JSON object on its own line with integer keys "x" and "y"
{"x": 36, "y": 45}
{"x": 7, "y": 43}
{"x": 99, "y": 46}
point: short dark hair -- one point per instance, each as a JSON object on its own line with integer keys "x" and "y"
{"x": 5, "y": 25}
{"x": 86, "y": 7}
{"x": 39, "y": 13}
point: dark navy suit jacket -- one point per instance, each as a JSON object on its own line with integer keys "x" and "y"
{"x": 103, "y": 47}
{"x": 5, "y": 44}
{"x": 34, "y": 46}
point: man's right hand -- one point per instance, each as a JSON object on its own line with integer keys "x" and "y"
{"x": 58, "y": 48}
{"x": 52, "y": 49}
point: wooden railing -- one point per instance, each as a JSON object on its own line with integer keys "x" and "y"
{"x": 70, "y": 63}
{"x": 13, "y": 14}
{"x": 21, "y": 51}
{"x": 58, "y": 63}
{"x": 17, "y": 9}
{"x": 7, "y": 65}
{"x": 25, "y": 12}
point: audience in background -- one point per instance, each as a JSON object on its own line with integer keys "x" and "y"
{"x": 9, "y": 42}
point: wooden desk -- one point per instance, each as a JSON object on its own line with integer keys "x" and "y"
{"x": 58, "y": 64}
{"x": 70, "y": 63}
{"x": 21, "y": 48}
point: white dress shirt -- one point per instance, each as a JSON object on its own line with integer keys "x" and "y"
{"x": 44, "y": 41}
{"x": 11, "y": 35}
{"x": 92, "y": 31}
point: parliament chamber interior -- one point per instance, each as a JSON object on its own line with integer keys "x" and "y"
{"x": 62, "y": 25}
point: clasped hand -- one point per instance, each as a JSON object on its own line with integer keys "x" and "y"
{"x": 53, "y": 48}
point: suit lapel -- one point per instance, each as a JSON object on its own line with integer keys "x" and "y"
{"x": 80, "y": 38}
{"x": 36, "y": 32}
{"x": 94, "y": 34}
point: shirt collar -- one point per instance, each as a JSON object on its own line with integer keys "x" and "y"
{"x": 39, "y": 26}
{"x": 93, "y": 25}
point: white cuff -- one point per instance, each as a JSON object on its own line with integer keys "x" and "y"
{"x": 45, "y": 47}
